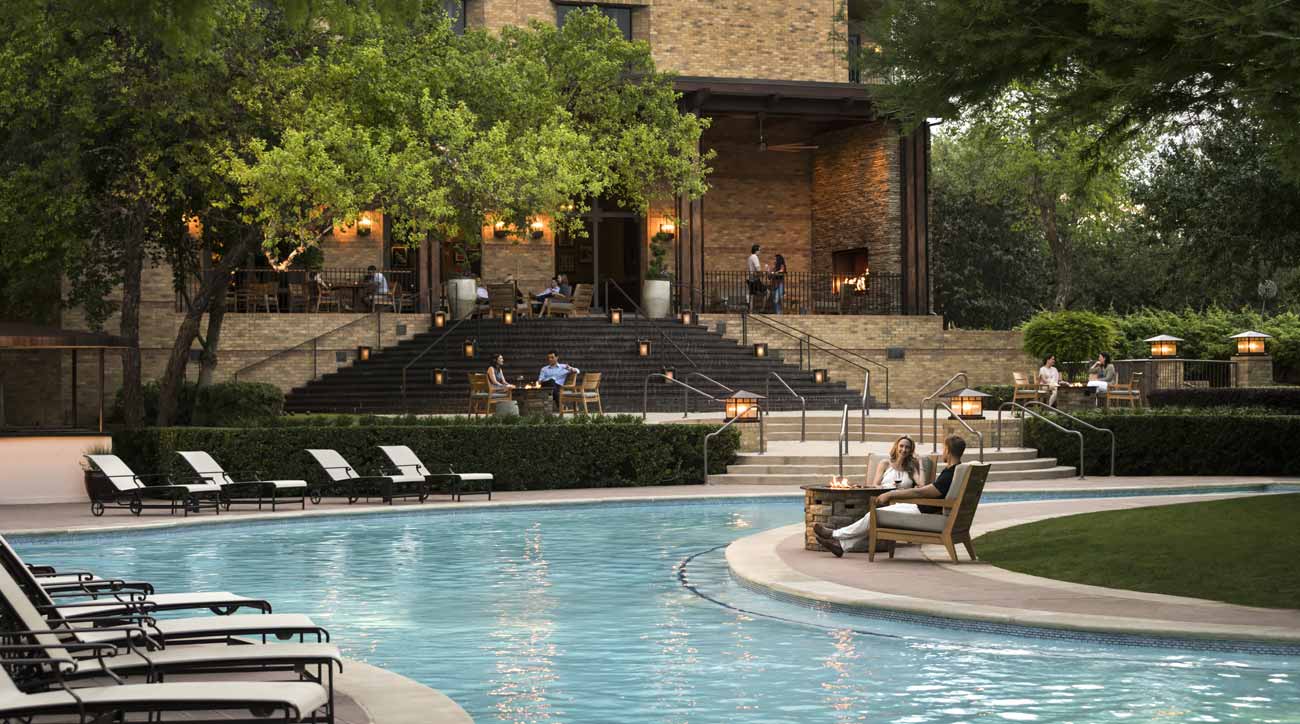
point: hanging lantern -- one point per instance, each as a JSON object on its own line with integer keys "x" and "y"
{"x": 616, "y": 316}
{"x": 819, "y": 377}
{"x": 687, "y": 317}
{"x": 967, "y": 404}
{"x": 439, "y": 319}
{"x": 439, "y": 376}
{"x": 1251, "y": 343}
{"x": 508, "y": 317}
{"x": 670, "y": 373}
{"x": 363, "y": 354}
{"x": 760, "y": 349}
{"x": 643, "y": 347}
{"x": 469, "y": 348}
{"x": 742, "y": 406}
{"x": 1163, "y": 345}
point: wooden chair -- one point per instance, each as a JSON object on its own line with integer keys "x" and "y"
{"x": 298, "y": 297}
{"x": 501, "y": 299}
{"x": 265, "y": 295}
{"x": 481, "y": 397}
{"x": 586, "y": 393}
{"x": 558, "y": 305}
{"x": 946, "y": 529}
{"x": 325, "y": 299}
{"x": 1024, "y": 388}
{"x": 1126, "y": 392}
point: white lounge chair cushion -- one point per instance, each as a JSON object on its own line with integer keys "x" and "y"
{"x": 302, "y": 696}
{"x": 194, "y": 626}
{"x": 474, "y": 476}
{"x": 162, "y": 601}
{"x": 205, "y": 466}
{"x": 199, "y": 488}
{"x": 407, "y": 478}
{"x": 334, "y": 465}
{"x": 406, "y": 460}
{"x": 900, "y": 520}
{"x": 121, "y": 476}
{"x": 286, "y": 484}
{"x": 178, "y": 655}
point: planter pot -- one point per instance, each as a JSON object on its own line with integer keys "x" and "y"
{"x": 462, "y": 296}
{"x": 656, "y": 298}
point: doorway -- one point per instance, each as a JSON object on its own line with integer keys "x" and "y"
{"x": 611, "y": 249}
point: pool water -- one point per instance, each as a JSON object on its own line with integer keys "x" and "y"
{"x": 584, "y": 614}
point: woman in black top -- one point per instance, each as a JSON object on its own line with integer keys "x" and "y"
{"x": 778, "y": 283}
{"x": 496, "y": 374}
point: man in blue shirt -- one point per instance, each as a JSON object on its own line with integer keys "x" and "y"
{"x": 554, "y": 374}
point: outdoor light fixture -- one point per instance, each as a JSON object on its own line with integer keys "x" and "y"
{"x": 439, "y": 376}
{"x": 668, "y": 228}
{"x": 616, "y": 316}
{"x": 439, "y": 319}
{"x": 643, "y": 347}
{"x": 760, "y": 349}
{"x": 499, "y": 230}
{"x": 469, "y": 348}
{"x": 742, "y": 406}
{"x": 1251, "y": 343}
{"x": 508, "y": 317}
{"x": 1163, "y": 345}
{"x": 363, "y": 226}
{"x": 538, "y": 229}
{"x": 363, "y": 354}
{"x": 967, "y": 404}
{"x": 819, "y": 377}
{"x": 670, "y": 373}
{"x": 687, "y": 317}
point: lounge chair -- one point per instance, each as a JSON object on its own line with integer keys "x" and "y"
{"x": 586, "y": 393}
{"x": 405, "y": 461}
{"x": 127, "y": 490}
{"x": 344, "y": 481}
{"x": 950, "y": 527}
{"x": 153, "y": 660}
{"x": 558, "y": 305}
{"x": 245, "y": 492}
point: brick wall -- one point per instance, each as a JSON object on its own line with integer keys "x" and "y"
{"x": 345, "y": 249}
{"x": 31, "y": 390}
{"x": 931, "y": 353}
{"x": 856, "y": 197}
{"x": 531, "y": 261}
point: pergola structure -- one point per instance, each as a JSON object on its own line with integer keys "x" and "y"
{"x": 18, "y": 336}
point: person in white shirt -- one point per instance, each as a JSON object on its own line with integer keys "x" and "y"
{"x": 1049, "y": 378}
{"x": 754, "y": 276}
{"x": 901, "y": 471}
{"x": 380, "y": 284}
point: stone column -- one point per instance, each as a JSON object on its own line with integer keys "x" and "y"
{"x": 1254, "y": 370}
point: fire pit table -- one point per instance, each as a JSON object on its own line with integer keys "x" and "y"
{"x": 535, "y": 401}
{"x": 834, "y": 506}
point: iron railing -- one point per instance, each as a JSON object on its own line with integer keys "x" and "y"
{"x": 842, "y": 444}
{"x": 1026, "y": 411}
{"x": 803, "y": 293}
{"x": 1172, "y": 374}
{"x": 1067, "y": 416}
{"x": 314, "y": 345}
{"x": 296, "y": 290}
{"x": 934, "y": 423}
{"x": 645, "y": 392}
{"x": 823, "y": 346}
{"x": 654, "y": 324}
{"x": 423, "y": 352}
{"x": 934, "y": 446}
{"x": 803, "y": 403}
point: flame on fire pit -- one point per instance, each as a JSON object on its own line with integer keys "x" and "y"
{"x": 533, "y": 386}
{"x": 840, "y": 482}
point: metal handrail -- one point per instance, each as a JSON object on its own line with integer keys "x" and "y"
{"x": 935, "y": 424}
{"x": 803, "y": 404}
{"x": 645, "y": 391}
{"x": 842, "y": 445}
{"x": 834, "y": 350}
{"x": 718, "y": 431}
{"x": 425, "y": 351}
{"x": 1068, "y": 416}
{"x": 641, "y": 313}
{"x": 806, "y": 339}
{"x": 934, "y": 445}
{"x": 1026, "y": 410}
{"x": 313, "y": 342}
{"x": 686, "y": 405}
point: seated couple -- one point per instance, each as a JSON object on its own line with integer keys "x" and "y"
{"x": 904, "y": 467}
{"x": 553, "y": 375}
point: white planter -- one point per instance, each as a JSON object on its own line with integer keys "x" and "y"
{"x": 656, "y": 297}
{"x": 462, "y": 295}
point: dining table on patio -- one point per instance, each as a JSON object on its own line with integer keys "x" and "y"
{"x": 534, "y": 399}
{"x": 350, "y": 294}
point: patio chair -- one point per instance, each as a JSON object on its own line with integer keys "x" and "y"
{"x": 125, "y": 489}
{"x": 502, "y": 298}
{"x": 1129, "y": 393}
{"x": 1024, "y": 388}
{"x": 405, "y": 461}
{"x": 558, "y": 305}
{"x": 325, "y": 299}
{"x": 264, "y": 295}
{"x": 482, "y": 398}
{"x": 245, "y": 492}
{"x": 585, "y": 393}
{"x": 950, "y": 527}
{"x": 152, "y": 659}
{"x": 298, "y": 297}
{"x": 344, "y": 481}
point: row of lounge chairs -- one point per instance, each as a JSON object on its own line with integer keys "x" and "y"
{"x": 78, "y": 647}
{"x": 215, "y": 488}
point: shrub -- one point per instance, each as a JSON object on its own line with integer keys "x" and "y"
{"x": 149, "y": 392}
{"x": 236, "y": 403}
{"x": 998, "y": 394}
{"x": 523, "y": 455}
{"x": 1285, "y": 400}
{"x": 1071, "y": 336}
{"x": 1205, "y": 333}
{"x": 1175, "y": 441}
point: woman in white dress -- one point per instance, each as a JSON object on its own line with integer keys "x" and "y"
{"x": 901, "y": 471}
{"x": 1049, "y": 378}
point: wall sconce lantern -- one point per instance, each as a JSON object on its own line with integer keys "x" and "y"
{"x": 363, "y": 225}
{"x": 508, "y": 317}
{"x": 1251, "y": 343}
{"x": 760, "y": 349}
{"x": 687, "y": 317}
{"x": 967, "y": 404}
{"x": 439, "y": 319}
{"x": 439, "y": 376}
{"x": 615, "y": 316}
{"x": 668, "y": 228}
{"x": 469, "y": 348}
{"x": 363, "y": 354}
{"x": 742, "y": 406}
{"x": 819, "y": 377}
{"x": 670, "y": 373}
{"x": 1163, "y": 345}
{"x": 643, "y": 347}
{"x": 499, "y": 230}
{"x": 537, "y": 229}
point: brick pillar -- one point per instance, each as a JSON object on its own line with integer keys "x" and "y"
{"x": 1254, "y": 370}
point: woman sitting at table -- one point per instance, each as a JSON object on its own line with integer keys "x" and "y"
{"x": 1102, "y": 374}
{"x": 901, "y": 471}
{"x": 1049, "y": 378}
{"x": 496, "y": 374}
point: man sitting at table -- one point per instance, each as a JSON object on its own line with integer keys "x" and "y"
{"x": 554, "y": 374}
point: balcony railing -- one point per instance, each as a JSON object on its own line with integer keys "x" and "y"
{"x": 804, "y": 293}
{"x": 297, "y": 291}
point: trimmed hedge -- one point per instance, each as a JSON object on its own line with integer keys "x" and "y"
{"x": 218, "y": 404}
{"x": 522, "y": 455}
{"x": 998, "y": 394}
{"x": 1284, "y": 400}
{"x": 1177, "y": 442}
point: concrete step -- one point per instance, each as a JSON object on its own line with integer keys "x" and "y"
{"x": 858, "y": 469}
{"x": 1047, "y": 473}
{"x": 990, "y": 455}
{"x": 833, "y": 435}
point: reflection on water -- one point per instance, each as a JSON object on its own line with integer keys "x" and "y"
{"x": 577, "y": 615}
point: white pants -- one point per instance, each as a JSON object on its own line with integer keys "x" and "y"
{"x": 857, "y": 531}
{"x": 1101, "y": 386}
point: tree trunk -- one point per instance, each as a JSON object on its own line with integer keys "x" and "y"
{"x": 212, "y": 343}
{"x": 133, "y": 264}
{"x": 1059, "y": 245}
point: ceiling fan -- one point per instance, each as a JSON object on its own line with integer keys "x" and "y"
{"x": 780, "y": 147}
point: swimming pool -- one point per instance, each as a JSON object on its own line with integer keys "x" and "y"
{"x": 579, "y": 614}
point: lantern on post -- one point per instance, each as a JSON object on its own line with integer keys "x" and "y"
{"x": 1163, "y": 345}
{"x": 615, "y": 316}
{"x": 469, "y": 348}
{"x": 819, "y": 377}
{"x": 742, "y": 406}
{"x": 687, "y": 317}
{"x": 967, "y": 404}
{"x": 643, "y": 347}
{"x": 508, "y": 317}
{"x": 439, "y": 376}
{"x": 670, "y": 373}
{"x": 760, "y": 349}
{"x": 1251, "y": 343}
{"x": 363, "y": 353}
{"x": 439, "y": 319}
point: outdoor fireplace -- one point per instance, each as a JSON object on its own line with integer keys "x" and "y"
{"x": 834, "y": 505}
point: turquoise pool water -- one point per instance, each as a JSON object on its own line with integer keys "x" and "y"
{"x": 580, "y": 614}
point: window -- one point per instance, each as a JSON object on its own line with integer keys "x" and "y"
{"x": 855, "y": 49}
{"x": 622, "y": 17}
{"x": 456, "y": 11}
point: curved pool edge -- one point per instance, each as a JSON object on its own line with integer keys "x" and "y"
{"x": 755, "y": 561}
{"x": 390, "y": 698}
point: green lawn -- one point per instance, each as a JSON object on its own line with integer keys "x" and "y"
{"x": 1244, "y": 550}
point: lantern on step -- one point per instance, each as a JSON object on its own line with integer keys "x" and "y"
{"x": 1163, "y": 345}
{"x": 742, "y": 406}
{"x": 439, "y": 376}
{"x": 363, "y": 354}
{"x": 615, "y": 316}
{"x": 469, "y": 348}
{"x": 687, "y": 317}
{"x": 760, "y": 349}
{"x": 508, "y": 317}
{"x": 1251, "y": 343}
{"x": 967, "y": 404}
{"x": 820, "y": 377}
{"x": 439, "y": 319}
{"x": 643, "y": 347}
{"x": 670, "y": 374}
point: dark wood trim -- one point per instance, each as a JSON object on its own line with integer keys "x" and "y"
{"x": 914, "y": 200}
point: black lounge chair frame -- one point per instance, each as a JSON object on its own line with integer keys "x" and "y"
{"x": 176, "y": 497}
{"x": 369, "y": 486}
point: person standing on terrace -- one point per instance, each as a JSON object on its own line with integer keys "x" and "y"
{"x": 754, "y": 275}
{"x": 554, "y": 374}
